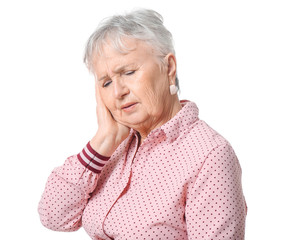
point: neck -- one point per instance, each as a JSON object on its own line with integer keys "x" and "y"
{"x": 168, "y": 113}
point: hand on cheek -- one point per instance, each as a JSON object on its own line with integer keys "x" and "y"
{"x": 110, "y": 133}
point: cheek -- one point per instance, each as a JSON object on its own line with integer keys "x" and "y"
{"x": 153, "y": 96}
{"x": 157, "y": 87}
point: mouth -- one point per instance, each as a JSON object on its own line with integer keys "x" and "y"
{"x": 128, "y": 106}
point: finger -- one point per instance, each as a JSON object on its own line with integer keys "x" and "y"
{"x": 97, "y": 94}
{"x": 102, "y": 111}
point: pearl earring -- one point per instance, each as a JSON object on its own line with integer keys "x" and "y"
{"x": 173, "y": 89}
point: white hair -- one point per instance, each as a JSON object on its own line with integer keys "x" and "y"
{"x": 142, "y": 24}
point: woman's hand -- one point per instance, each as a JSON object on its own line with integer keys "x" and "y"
{"x": 110, "y": 133}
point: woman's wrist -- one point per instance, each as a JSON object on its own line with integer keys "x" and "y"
{"x": 91, "y": 159}
{"x": 105, "y": 146}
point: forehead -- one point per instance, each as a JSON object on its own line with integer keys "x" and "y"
{"x": 110, "y": 57}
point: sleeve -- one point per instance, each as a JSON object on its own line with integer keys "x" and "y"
{"x": 68, "y": 189}
{"x": 215, "y": 204}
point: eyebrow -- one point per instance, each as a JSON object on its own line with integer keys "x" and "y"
{"x": 117, "y": 70}
{"x": 103, "y": 77}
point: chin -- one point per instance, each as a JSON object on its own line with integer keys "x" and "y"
{"x": 133, "y": 121}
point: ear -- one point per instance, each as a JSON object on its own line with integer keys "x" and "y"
{"x": 172, "y": 68}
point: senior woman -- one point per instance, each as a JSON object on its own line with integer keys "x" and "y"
{"x": 153, "y": 170}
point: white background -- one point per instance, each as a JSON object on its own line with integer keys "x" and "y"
{"x": 231, "y": 61}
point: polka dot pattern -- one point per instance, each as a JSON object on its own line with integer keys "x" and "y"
{"x": 183, "y": 182}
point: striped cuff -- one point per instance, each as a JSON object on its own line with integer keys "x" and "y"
{"x": 91, "y": 159}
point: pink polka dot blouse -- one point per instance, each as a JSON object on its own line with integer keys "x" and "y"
{"x": 183, "y": 182}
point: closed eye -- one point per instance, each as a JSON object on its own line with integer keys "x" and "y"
{"x": 129, "y": 73}
{"x": 106, "y": 84}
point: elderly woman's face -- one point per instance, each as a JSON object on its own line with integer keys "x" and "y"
{"x": 132, "y": 85}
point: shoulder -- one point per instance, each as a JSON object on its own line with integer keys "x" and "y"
{"x": 200, "y": 139}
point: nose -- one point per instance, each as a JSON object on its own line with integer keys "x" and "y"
{"x": 120, "y": 89}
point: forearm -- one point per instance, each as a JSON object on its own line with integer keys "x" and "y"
{"x": 68, "y": 189}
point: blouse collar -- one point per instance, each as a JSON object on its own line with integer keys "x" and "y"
{"x": 181, "y": 121}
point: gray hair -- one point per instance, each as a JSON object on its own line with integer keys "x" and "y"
{"x": 142, "y": 24}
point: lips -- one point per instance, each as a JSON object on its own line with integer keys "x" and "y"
{"x": 127, "y": 105}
